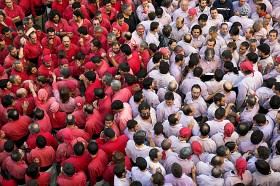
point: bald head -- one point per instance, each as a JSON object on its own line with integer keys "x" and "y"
{"x": 172, "y": 86}
{"x": 70, "y": 119}
{"x": 227, "y": 86}
{"x": 216, "y": 161}
{"x": 165, "y": 144}
{"x": 21, "y": 93}
{"x": 34, "y": 128}
{"x": 216, "y": 172}
{"x": 188, "y": 38}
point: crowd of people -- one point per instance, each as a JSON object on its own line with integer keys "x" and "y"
{"x": 131, "y": 93}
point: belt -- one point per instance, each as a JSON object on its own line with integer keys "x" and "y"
{"x": 44, "y": 169}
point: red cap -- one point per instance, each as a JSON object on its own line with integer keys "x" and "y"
{"x": 241, "y": 166}
{"x": 164, "y": 51}
{"x": 117, "y": 27}
{"x": 1, "y": 69}
{"x": 47, "y": 58}
{"x": 247, "y": 65}
{"x": 69, "y": 29}
{"x": 141, "y": 29}
{"x": 89, "y": 66}
{"x": 192, "y": 11}
{"x": 278, "y": 59}
{"x": 46, "y": 51}
{"x": 197, "y": 148}
{"x": 64, "y": 61}
{"x": 185, "y": 132}
{"x": 228, "y": 129}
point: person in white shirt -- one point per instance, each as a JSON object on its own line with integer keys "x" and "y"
{"x": 144, "y": 9}
{"x": 150, "y": 96}
{"x": 264, "y": 174}
{"x": 158, "y": 135}
{"x": 162, "y": 17}
{"x": 215, "y": 19}
{"x": 153, "y": 163}
{"x": 228, "y": 135}
{"x": 211, "y": 180}
{"x": 218, "y": 123}
{"x": 172, "y": 125}
{"x": 152, "y": 36}
{"x": 179, "y": 29}
{"x": 206, "y": 167}
{"x": 187, "y": 119}
{"x": 122, "y": 176}
{"x": 135, "y": 101}
{"x": 265, "y": 124}
{"x": 185, "y": 43}
{"x": 202, "y": 8}
{"x": 261, "y": 153}
{"x": 141, "y": 173}
{"x": 146, "y": 118}
{"x": 131, "y": 127}
{"x": 274, "y": 160}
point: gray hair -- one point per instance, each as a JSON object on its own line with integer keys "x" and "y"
{"x": 253, "y": 41}
{"x": 111, "y": 36}
{"x": 116, "y": 85}
{"x": 213, "y": 29}
{"x": 34, "y": 128}
{"x": 26, "y": 20}
{"x": 13, "y": 78}
{"x": 177, "y": 48}
{"x": 256, "y": 25}
{"x": 107, "y": 78}
{"x": 144, "y": 44}
{"x": 65, "y": 72}
{"x": 98, "y": 29}
{"x": 140, "y": 26}
{"x": 125, "y": 7}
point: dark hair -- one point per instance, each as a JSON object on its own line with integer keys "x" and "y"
{"x": 154, "y": 25}
{"x": 33, "y": 171}
{"x": 119, "y": 170}
{"x": 169, "y": 96}
{"x": 274, "y": 102}
{"x": 252, "y": 56}
{"x": 153, "y": 154}
{"x": 265, "y": 48}
{"x": 9, "y": 146}
{"x": 230, "y": 145}
{"x": 95, "y": 42}
{"x": 99, "y": 93}
{"x": 79, "y": 148}
{"x": 259, "y": 119}
{"x": 54, "y": 13}
{"x": 256, "y": 137}
{"x": 197, "y": 72}
{"x": 125, "y": 48}
{"x": 68, "y": 169}
{"x": 234, "y": 31}
{"x": 263, "y": 167}
{"x": 41, "y": 142}
{"x": 218, "y": 97}
{"x": 138, "y": 96}
{"x": 204, "y": 129}
{"x": 131, "y": 124}
{"x": 221, "y": 151}
{"x": 176, "y": 170}
{"x": 92, "y": 148}
{"x": 90, "y": 75}
{"x": 263, "y": 152}
{"x": 79, "y": 13}
{"x": 7, "y": 100}
{"x": 220, "y": 113}
{"x": 50, "y": 29}
{"x": 218, "y": 75}
{"x": 13, "y": 114}
{"x": 141, "y": 163}
{"x": 163, "y": 67}
{"x": 117, "y": 105}
{"x": 109, "y": 133}
{"x": 143, "y": 106}
{"x": 158, "y": 128}
{"x": 242, "y": 129}
{"x": 139, "y": 137}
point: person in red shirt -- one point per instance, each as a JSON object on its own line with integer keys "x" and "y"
{"x": 115, "y": 55}
{"x": 68, "y": 12}
{"x": 18, "y": 69}
{"x": 68, "y": 177}
{"x": 94, "y": 122}
{"x": 8, "y": 35}
{"x": 33, "y": 173}
{"x": 37, "y": 9}
{"x": 104, "y": 102}
{"x": 95, "y": 22}
{"x": 32, "y": 49}
{"x": 96, "y": 50}
{"x": 16, "y": 166}
{"x": 45, "y": 156}
{"x": 85, "y": 40}
{"x": 144, "y": 54}
{"x": 7, "y": 102}
{"x": 110, "y": 143}
{"x": 108, "y": 12}
{"x": 79, "y": 20}
{"x": 58, "y": 23}
{"x": 14, "y": 11}
{"x": 98, "y": 34}
{"x": 9, "y": 146}
{"x": 101, "y": 66}
{"x": 12, "y": 57}
{"x": 79, "y": 112}
{"x": 98, "y": 163}
{"x": 3, "y": 51}
{"x": 120, "y": 22}
{"x": 42, "y": 118}
{"x": 73, "y": 37}
{"x": 51, "y": 41}
{"x": 6, "y": 21}
{"x": 17, "y": 127}
{"x": 117, "y": 30}
{"x": 46, "y": 67}
{"x": 103, "y": 21}
{"x": 72, "y": 130}
{"x": 70, "y": 48}
{"x": 57, "y": 117}
{"x": 22, "y": 94}
{"x": 16, "y": 82}
{"x": 59, "y": 5}
{"x": 34, "y": 129}
{"x": 91, "y": 83}
{"x": 117, "y": 158}
{"x": 132, "y": 58}
{"x": 80, "y": 159}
